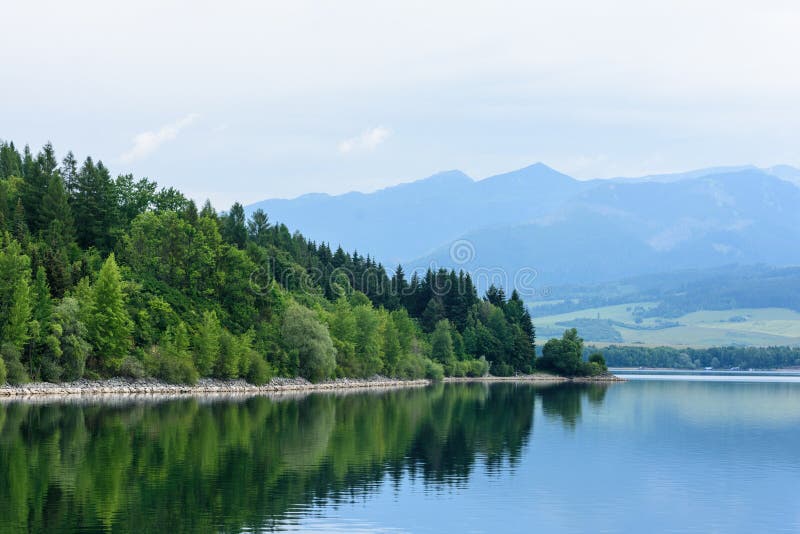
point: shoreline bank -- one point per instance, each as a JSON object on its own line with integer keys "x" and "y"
{"x": 208, "y": 386}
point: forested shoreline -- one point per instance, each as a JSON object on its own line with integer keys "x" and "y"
{"x": 699, "y": 358}
{"x": 104, "y": 277}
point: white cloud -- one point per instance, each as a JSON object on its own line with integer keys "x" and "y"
{"x": 368, "y": 140}
{"x": 146, "y": 143}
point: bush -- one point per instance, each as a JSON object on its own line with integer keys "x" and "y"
{"x": 598, "y": 358}
{"x": 177, "y": 371}
{"x": 15, "y": 371}
{"x": 51, "y": 371}
{"x": 169, "y": 368}
{"x": 479, "y": 367}
{"x": 434, "y": 371}
{"x": 260, "y": 371}
{"x": 502, "y": 369}
{"x": 2, "y": 371}
{"x": 410, "y": 366}
{"x": 132, "y": 367}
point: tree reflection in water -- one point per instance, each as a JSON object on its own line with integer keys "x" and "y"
{"x": 192, "y": 465}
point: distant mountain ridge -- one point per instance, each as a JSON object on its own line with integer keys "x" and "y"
{"x": 569, "y": 231}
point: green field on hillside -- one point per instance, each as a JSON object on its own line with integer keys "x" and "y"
{"x": 622, "y": 323}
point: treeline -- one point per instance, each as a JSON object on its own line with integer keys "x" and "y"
{"x": 717, "y": 357}
{"x": 104, "y": 276}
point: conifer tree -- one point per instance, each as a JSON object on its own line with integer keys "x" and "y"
{"x": 258, "y": 226}
{"x": 69, "y": 173}
{"x": 55, "y": 209}
{"x": 108, "y": 324}
{"x": 234, "y": 229}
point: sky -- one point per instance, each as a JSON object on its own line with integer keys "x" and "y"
{"x": 251, "y": 100}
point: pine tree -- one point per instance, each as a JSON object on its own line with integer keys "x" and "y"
{"x": 20, "y": 227}
{"x": 94, "y": 204}
{"x": 108, "y": 324}
{"x": 10, "y": 161}
{"x": 38, "y": 173}
{"x": 434, "y": 312}
{"x": 55, "y": 209}
{"x": 69, "y": 172}
{"x": 208, "y": 210}
{"x": 258, "y": 226}
{"x": 234, "y": 229}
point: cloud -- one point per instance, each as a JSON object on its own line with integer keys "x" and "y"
{"x": 368, "y": 140}
{"x": 146, "y": 143}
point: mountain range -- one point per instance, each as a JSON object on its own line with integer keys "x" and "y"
{"x": 566, "y": 230}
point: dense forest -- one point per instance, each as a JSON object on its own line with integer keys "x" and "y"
{"x": 104, "y": 276}
{"x": 716, "y": 357}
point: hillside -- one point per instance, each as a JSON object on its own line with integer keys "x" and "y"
{"x": 103, "y": 276}
{"x": 732, "y": 305}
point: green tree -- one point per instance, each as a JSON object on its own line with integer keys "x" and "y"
{"x": 15, "y": 299}
{"x": 258, "y": 227}
{"x": 55, "y": 209}
{"x": 392, "y": 349}
{"x": 234, "y": 229}
{"x": 442, "y": 343}
{"x": 304, "y": 334}
{"x": 206, "y": 343}
{"x": 94, "y": 202}
{"x": 72, "y": 336}
{"x": 175, "y": 363}
{"x": 563, "y": 356}
{"x": 42, "y": 340}
{"x": 108, "y": 323}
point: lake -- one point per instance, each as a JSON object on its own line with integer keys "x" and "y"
{"x": 647, "y": 455}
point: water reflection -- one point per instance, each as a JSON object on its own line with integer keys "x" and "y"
{"x": 190, "y": 465}
{"x": 565, "y": 401}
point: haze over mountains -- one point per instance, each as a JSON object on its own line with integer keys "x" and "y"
{"x": 570, "y": 231}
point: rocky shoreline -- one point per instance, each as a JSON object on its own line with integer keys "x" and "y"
{"x": 209, "y": 386}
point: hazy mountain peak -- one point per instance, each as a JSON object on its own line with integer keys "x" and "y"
{"x": 446, "y": 177}
{"x": 785, "y": 172}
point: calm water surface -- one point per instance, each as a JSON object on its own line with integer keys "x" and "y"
{"x": 643, "y": 456}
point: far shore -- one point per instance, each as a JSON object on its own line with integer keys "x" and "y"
{"x": 211, "y": 387}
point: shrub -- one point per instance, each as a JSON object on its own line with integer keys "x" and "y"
{"x": 177, "y": 371}
{"x": 434, "y": 371}
{"x": 132, "y": 367}
{"x": 2, "y": 371}
{"x": 260, "y": 371}
{"x": 410, "y": 367}
{"x": 51, "y": 371}
{"x": 598, "y": 358}
{"x": 15, "y": 371}
{"x": 479, "y": 367}
{"x": 502, "y": 369}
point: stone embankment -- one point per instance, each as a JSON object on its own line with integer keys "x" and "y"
{"x": 124, "y": 386}
{"x": 212, "y": 387}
